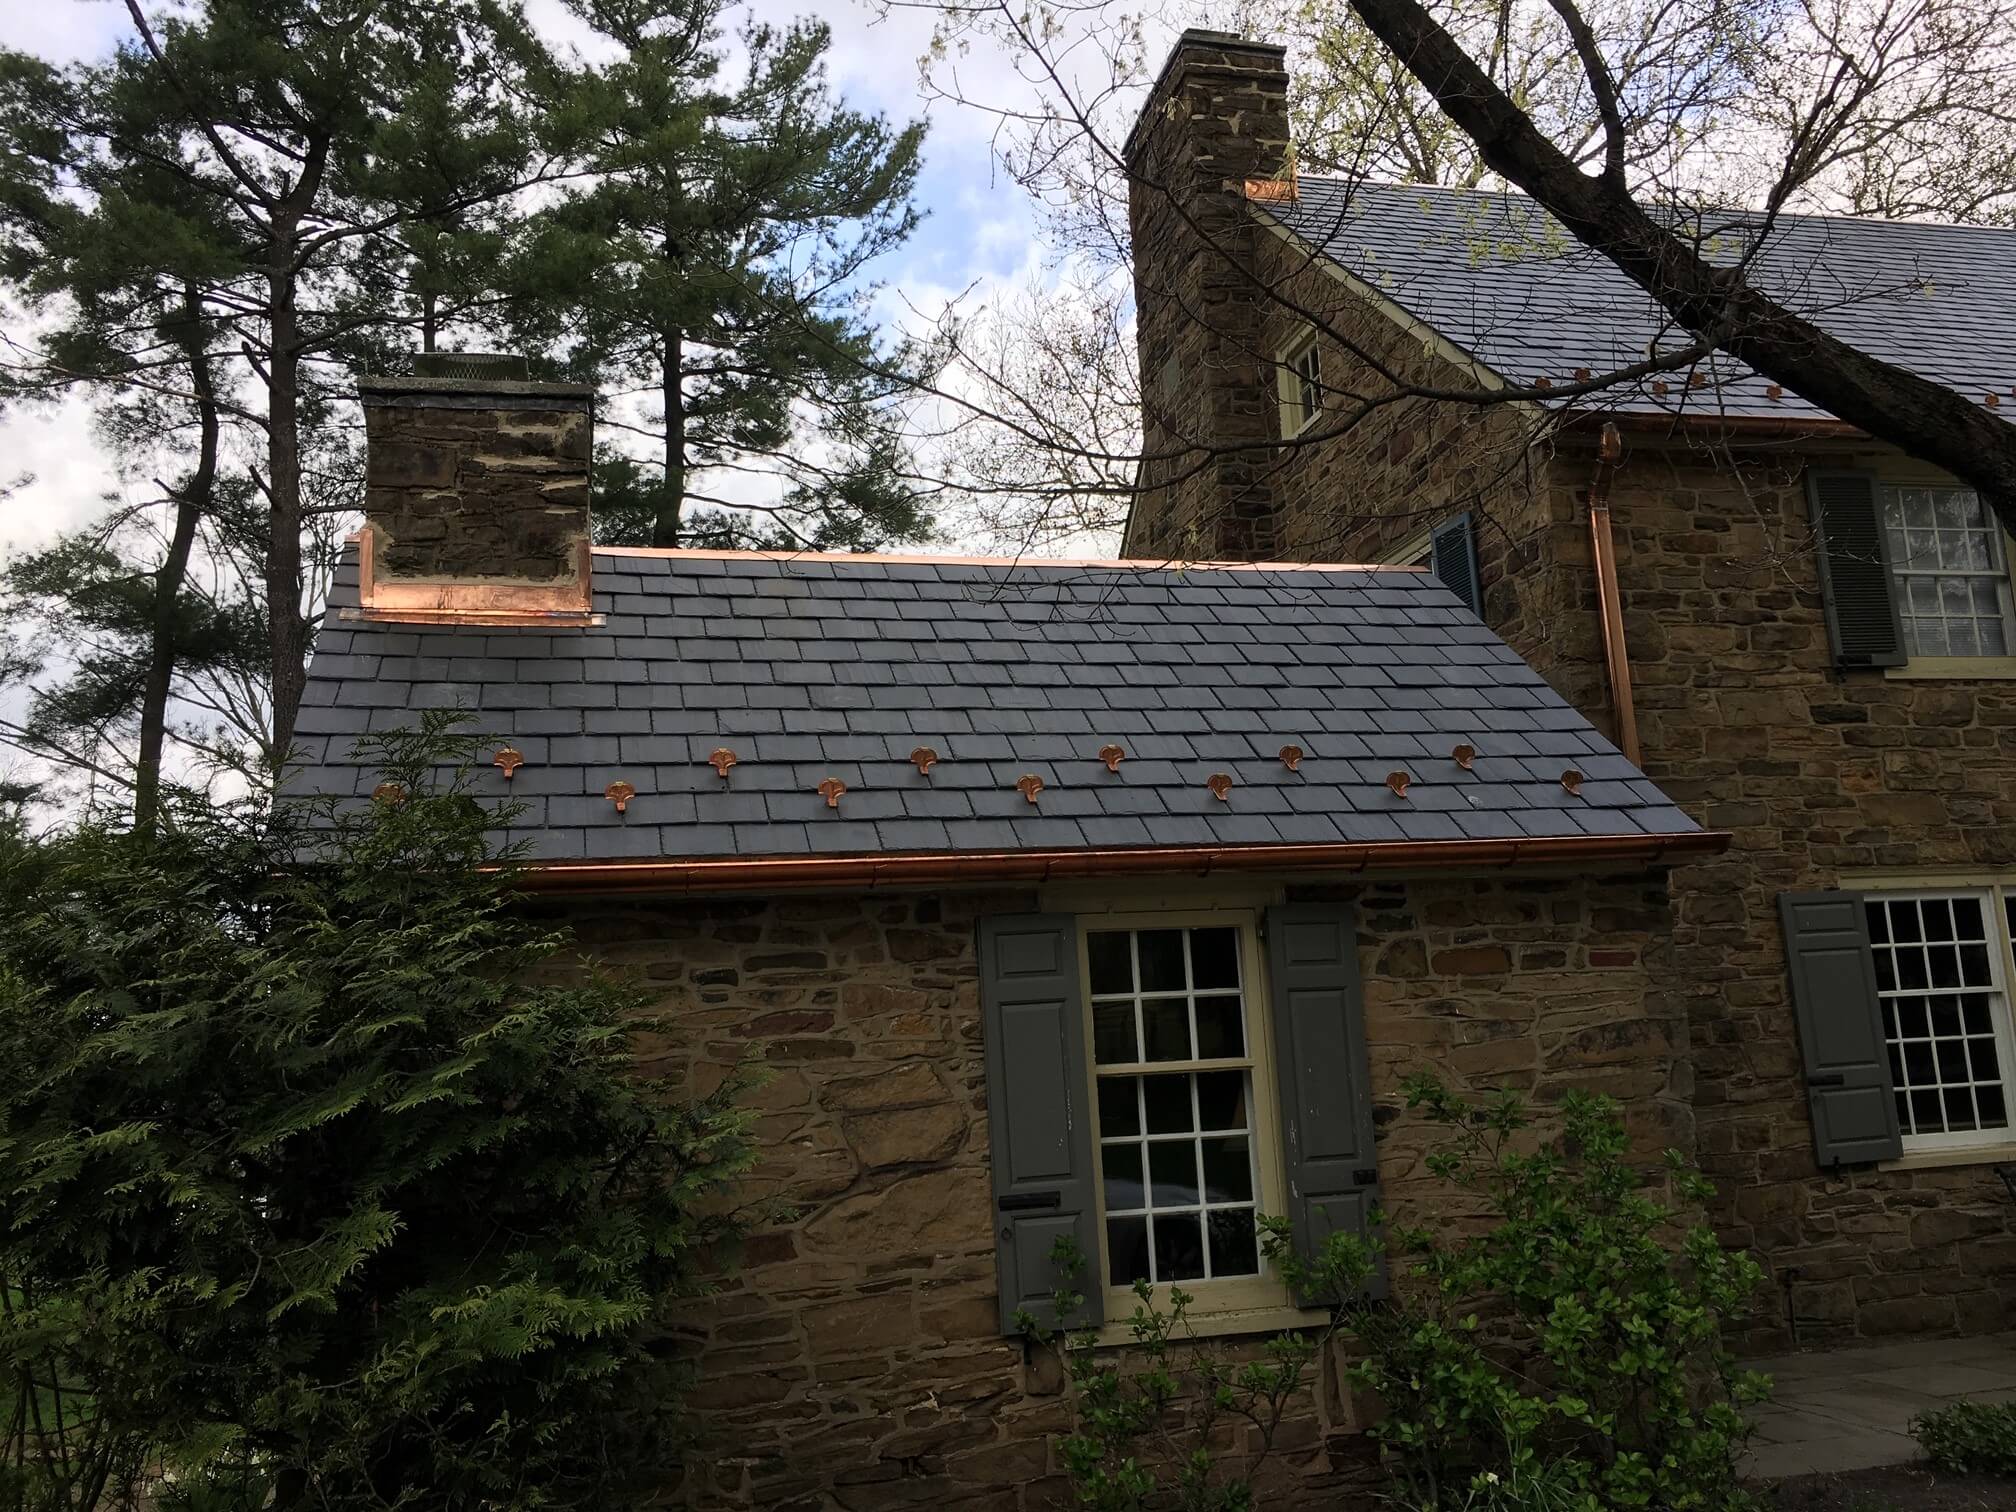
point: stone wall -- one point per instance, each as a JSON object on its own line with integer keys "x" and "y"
{"x": 1817, "y": 773}
{"x": 468, "y": 479}
{"x": 853, "y": 1360}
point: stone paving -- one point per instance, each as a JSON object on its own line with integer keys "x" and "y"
{"x": 1849, "y": 1409}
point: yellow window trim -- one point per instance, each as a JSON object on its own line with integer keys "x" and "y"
{"x": 1252, "y": 1297}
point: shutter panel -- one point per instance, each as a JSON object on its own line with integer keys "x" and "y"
{"x": 1855, "y": 582}
{"x": 1319, "y": 1053}
{"x": 1840, "y": 1028}
{"x": 1038, "y": 1111}
{"x": 1453, "y": 550}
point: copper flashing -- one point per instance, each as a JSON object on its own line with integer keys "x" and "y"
{"x": 1275, "y": 191}
{"x": 389, "y": 792}
{"x": 721, "y": 759}
{"x": 507, "y": 760}
{"x": 620, "y": 793}
{"x": 919, "y": 559}
{"x": 1220, "y": 784}
{"x": 429, "y": 601}
{"x": 1029, "y": 785}
{"x": 1465, "y": 756}
{"x": 1398, "y": 782}
{"x": 1610, "y": 598}
{"x": 934, "y": 868}
{"x": 832, "y": 789}
{"x": 925, "y": 758}
{"x": 1112, "y": 755}
{"x": 1291, "y": 757}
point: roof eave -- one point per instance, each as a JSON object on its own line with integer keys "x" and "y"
{"x": 880, "y": 870}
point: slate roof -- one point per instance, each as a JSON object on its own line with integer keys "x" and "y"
{"x": 1502, "y": 279}
{"x": 816, "y": 666}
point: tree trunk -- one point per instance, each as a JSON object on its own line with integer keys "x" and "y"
{"x": 1926, "y": 419}
{"x": 665, "y": 529}
{"x": 286, "y": 632}
{"x": 192, "y": 501}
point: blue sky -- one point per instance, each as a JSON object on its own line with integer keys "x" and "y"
{"x": 977, "y": 230}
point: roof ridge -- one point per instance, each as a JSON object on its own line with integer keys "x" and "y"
{"x": 925, "y": 559}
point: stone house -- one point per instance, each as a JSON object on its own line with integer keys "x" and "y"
{"x": 1801, "y": 634}
{"x": 1097, "y": 899}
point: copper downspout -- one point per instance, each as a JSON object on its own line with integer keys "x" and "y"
{"x": 1609, "y": 602}
{"x": 934, "y": 868}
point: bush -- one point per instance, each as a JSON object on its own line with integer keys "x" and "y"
{"x": 315, "y": 1191}
{"x": 1568, "y": 1354}
{"x": 1969, "y": 1438}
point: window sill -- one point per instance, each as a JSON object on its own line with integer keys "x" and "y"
{"x": 1954, "y": 668}
{"x": 1959, "y": 1155}
{"x": 1228, "y": 1323}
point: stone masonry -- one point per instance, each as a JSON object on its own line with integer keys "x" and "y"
{"x": 853, "y": 1359}
{"x": 1743, "y": 719}
{"x": 461, "y": 488}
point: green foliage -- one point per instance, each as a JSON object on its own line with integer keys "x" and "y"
{"x": 326, "y": 1181}
{"x": 1151, "y": 1425}
{"x": 715, "y": 265}
{"x": 1969, "y": 1437}
{"x": 1570, "y": 1353}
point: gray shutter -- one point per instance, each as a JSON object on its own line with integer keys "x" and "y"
{"x": 1855, "y": 583}
{"x": 1452, "y": 547}
{"x": 1840, "y": 1028}
{"x": 1326, "y": 1094}
{"x": 1038, "y": 1111}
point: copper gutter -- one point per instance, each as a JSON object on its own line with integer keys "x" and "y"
{"x": 1670, "y": 422}
{"x": 1609, "y": 600}
{"x": 938, "y": 868}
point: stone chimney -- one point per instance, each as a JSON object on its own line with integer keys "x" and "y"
{"x": 1216, "y": 119}
{"x": 476, "y": 494}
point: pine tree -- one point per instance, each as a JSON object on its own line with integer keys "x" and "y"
{"x": 714, "y": 268}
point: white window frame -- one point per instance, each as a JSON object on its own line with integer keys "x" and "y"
{"x": 1993, "y": 896}
{"x": 1301, "y": 378}
{"x": 1243, "y": 1295}
{"x": 1980, "y": 668}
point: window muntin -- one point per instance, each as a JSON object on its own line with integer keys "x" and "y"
{"x": 1942, "y": 968}
{"x": 1178, "y": 1093}
{"x": 1303, "y": 386}
{"x": 1950, "y": 571}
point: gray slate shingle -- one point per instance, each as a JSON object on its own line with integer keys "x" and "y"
{"x": 1500, "y": 278}
{"x": 696, "y": 633}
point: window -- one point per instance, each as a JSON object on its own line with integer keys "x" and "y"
{"x": 1301, "y": 387}
{"x": 1943, "y": 965}
{"x": 1183, "y": 1106}
{"x": 1950, "y": 572}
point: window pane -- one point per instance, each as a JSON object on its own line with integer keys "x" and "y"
{"x": 1126, "y": 1251}
{"x": 1168, "y": 1100}
{"x": 1118, "y": 1113}
{"x": 1122, "y": 1166}
{"x": 1161, "y": 957}
{"x": 1221, "y": 1099}
{"x": 1214, "y": 958}
{"x": 1220, "y": 1034}
{"x": 1113, "y": 1033}
{"x": 1167, "y": 1024}
{"x": 1111, "y": 958}
{"x": 1235, "y": 1248}
{"x": 1179, "y": 1247}
{"x": 1228, "y": 1171}
{"x": 1172, "y": 1172}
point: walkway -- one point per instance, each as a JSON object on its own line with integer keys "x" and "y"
{"x": 1848, "y": 1409}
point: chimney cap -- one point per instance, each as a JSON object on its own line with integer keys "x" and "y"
{"x": 505, "y": 366}
{"x": 395, "y": 389}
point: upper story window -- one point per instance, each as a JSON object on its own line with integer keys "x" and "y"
{"x": 1301, "y": 386}
{"x": 1950, "y": 569}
